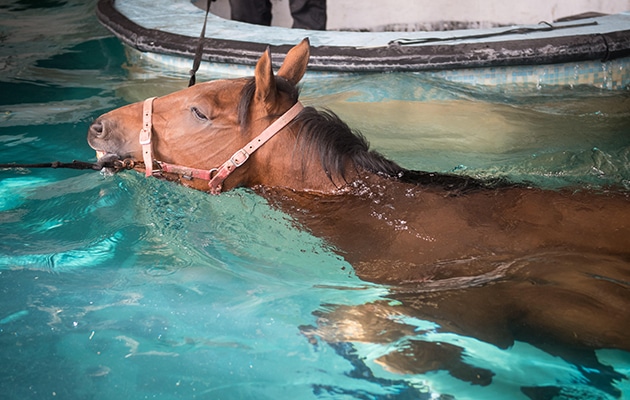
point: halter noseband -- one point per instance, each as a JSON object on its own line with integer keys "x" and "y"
{"x": 214, "y": 176}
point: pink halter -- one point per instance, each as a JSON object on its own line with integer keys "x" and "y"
{"x": 214, "y": 176}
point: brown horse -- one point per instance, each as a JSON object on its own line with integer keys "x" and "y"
{"x": 486, "y": 259}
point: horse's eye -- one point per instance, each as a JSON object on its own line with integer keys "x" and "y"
{"x": 198, "y": 114}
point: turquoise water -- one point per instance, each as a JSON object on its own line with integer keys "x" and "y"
{"x": 121, "y": 287}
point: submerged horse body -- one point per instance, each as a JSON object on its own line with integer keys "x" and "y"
{"x": 487, "y": 259}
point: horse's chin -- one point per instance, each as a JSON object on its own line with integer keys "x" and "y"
{"x": 106, "y": 160}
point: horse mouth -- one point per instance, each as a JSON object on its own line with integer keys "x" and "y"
{"x": 107, "y": 161}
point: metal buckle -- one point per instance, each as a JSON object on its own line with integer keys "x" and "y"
{"x": 145, "y": 141}
{"x": 236, "y": 162}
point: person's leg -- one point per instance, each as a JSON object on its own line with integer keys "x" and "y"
{"x": 308, "y": 14}
{"x": 251, "y": 11}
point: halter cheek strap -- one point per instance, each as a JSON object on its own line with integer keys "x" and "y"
{"x": 242, "y": 155}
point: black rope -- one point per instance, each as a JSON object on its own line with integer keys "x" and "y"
{"x": 115, "y": 164}
{"x": 199, "y": 52}
{"x": 543, "y": 27}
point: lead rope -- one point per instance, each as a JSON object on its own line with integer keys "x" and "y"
{"x": 114, "y": 164}
{"x": 199, "y": 52}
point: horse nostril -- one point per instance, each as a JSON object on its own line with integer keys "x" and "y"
{"x": 97, "y": 128}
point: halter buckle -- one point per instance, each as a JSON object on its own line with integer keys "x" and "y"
{"x": 239, "y": 158}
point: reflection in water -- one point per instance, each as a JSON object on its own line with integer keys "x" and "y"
{"x": 553, "y": 144}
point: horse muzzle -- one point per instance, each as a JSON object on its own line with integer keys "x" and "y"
{"x": 109, "y": 146}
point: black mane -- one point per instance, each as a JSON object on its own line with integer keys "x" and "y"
{"x": 337, "y": 146}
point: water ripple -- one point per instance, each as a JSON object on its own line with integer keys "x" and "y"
{"x": 89, "y": 256}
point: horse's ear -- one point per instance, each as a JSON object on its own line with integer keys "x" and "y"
{"x": 294, "y": 66}
{"x": 265, "y": 81}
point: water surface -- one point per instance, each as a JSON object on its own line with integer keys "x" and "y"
{"x": 124, "y": 287}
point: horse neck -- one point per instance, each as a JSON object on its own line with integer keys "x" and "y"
{"x": 282, "y": 163}
{"x": 282, "y": 167}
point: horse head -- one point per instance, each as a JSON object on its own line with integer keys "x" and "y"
{"x": 208, "y": 130}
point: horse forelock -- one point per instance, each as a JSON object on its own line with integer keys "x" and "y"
{"x": 247, "y": 97}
